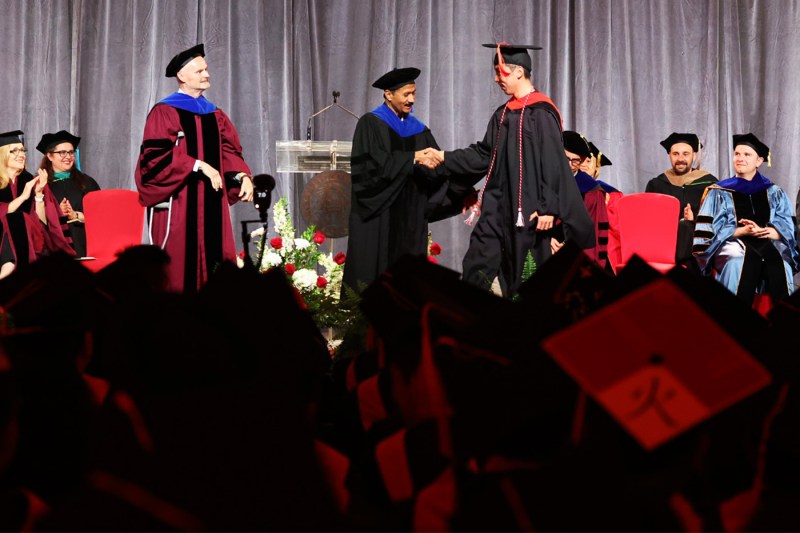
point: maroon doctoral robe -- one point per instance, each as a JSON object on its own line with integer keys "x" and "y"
{"x": 200, "y": 231}
{"x": 28, "y": 237}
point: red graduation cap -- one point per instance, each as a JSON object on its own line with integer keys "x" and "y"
{"x": 657, "y": 384}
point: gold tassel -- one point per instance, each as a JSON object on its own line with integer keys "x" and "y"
{"x": 597, "y": 164}
{"x": 769, "y": 159}
{"x": 699, "y": 155}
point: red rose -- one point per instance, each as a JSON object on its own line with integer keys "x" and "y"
{"x": 339, "y": 258}
{"x": 322, "y": 282}
{"x": 290, "y": 268}
{"x": 241, "y": 255}
{"x": 432, "y": 259}
{"x": 435, "y": 248}
{"x": 276, "y": 243}
{"x": 319, "y": 237}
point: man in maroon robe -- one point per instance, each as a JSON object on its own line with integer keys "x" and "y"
{"x": 190, "y": 170}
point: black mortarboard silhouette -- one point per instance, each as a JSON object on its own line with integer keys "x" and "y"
{"x": 53, "y": 292}
{"x": 603, "y": 160}
{"x": 564, "y": 289}
{"x": 12, "y": 137}
{"x": 181, "y": 59}
{"x": 396, "y": 78}
{"x": 514, "y": 54}
{"x": 576, "y": 143}
{"x": 753, "y": 142}
{"x": 50, "y": 140}
{"x": 688, "y": 138}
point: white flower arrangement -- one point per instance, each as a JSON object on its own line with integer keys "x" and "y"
{"x": 316, "y": 275}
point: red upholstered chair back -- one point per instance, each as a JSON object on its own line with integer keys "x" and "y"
{"x": 114, "y": 221}
{"x": 648, "y": 227}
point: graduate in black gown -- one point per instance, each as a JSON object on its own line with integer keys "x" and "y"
{"x": 525, "y": 192}
{"x": 69, "y": 185}
{"x": 393, "y": 196}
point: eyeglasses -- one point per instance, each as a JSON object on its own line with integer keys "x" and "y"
{"x": 63, "y": 154}
{"x": 575, "y": 160}
{"x": 16, "y": 151}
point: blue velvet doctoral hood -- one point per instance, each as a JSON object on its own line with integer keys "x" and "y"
{"x": 404, "y": 128}
{"x": 757, "y": 184}
{"x": 198, "y": 106}
{"x": 587, "y": 183}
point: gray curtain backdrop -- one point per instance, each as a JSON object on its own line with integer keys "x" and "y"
{"x": 626, "y": 73}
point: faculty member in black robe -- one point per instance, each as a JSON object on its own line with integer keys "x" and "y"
{"x": 687, "y": 184}
{"x": 393, "y": 196}
{"x": 69, "y": 185}
{"x": 519, "y": 203}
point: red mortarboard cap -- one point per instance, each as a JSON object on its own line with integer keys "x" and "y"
{"x": 728, "y": 437}
{"x": 717, "y": 302}
{"x": 656, "y": 384}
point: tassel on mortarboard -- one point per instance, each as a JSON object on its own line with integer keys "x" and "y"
{"x": 769, "y": 160}
{"x": 501, "y": 62}
{"x": 597, "y": 164}
{"x": 699, "y": 155}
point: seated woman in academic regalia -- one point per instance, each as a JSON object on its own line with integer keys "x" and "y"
{"x": 69, "y": 185}
{"x": 29, "y": 213}
{"x": 585, "y": 160}
{"x": 745, "y": 233}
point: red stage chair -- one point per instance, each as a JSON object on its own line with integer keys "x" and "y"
{"x": 114, "y": 221}
{"x": 647, "y": 224}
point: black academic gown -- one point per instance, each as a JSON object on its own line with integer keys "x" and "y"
{"x": 393, "y": 199}
{"x": 69, "y": 189}
{"x": 692, "y": 194}
{"x": 497, "y": 246}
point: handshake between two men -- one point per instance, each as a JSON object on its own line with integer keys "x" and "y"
{"x": 432, "y": 158}
{"x": 429, "y": 157}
